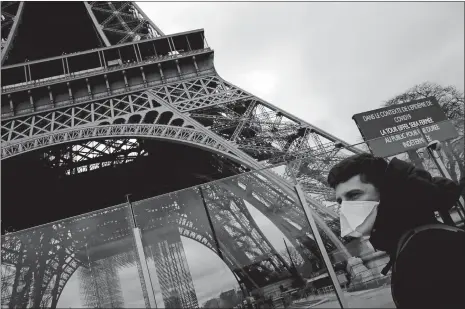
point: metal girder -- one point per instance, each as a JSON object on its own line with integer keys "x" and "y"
{"x": 10, "y": 24}
{"x": 100, "y": 284}
{"x": 238, "y": 219}
{"x": 53, "y": 261}
{"x": 96, "y": 24}
{"x": 128, "y": 21}
{"x": 123, "y": 107}
{"x": 245, "y": 117}
{"x": 185, "y": 135}
{"x": 198, "y": 93}
{"x": 90, "y": 155}
{"x": 158, "y": 31}
{"x": 203, "y": 93}
{"x": 278, "y": 210}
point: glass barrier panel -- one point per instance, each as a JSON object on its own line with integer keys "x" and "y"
{"x": 86, "y": 261}
{"x": 185, "y": 266}
{"x": 266, "y": 240}
{"x": 356, "y": 264}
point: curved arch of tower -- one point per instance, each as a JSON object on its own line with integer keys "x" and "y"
{"x": 121, "y": 83}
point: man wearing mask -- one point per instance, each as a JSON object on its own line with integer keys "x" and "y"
{"x": 388, "y": 203}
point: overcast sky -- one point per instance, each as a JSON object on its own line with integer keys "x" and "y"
{"x": 326, "y": 61}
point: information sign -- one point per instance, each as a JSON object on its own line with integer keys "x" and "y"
{"x": 408, "y": 126}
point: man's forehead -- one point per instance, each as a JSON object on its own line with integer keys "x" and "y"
{"x": 354, "y": 183}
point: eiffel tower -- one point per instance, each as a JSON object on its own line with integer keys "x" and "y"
{"x": 92, "y": 91}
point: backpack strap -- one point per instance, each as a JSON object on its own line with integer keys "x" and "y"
{"x": 388, "y": 266}
{"x": 408, "y": 235}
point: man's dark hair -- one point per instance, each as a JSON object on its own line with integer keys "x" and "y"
{"x": 371, "y": 170}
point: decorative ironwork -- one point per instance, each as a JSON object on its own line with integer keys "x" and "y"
{"x": 121, "y": 22}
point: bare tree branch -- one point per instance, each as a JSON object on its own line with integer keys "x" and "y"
{"x": 452, "y": 102}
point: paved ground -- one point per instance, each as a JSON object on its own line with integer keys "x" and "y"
{"x": 376, "y": 298}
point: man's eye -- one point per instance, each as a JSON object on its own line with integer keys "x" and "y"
{"x": 353, "y": 195}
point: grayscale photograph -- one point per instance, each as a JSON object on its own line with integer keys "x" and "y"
{"x": 247, "y": 155}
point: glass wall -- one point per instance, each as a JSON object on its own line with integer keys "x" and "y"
{"x": 238, "y": 242}
{"x": 180, "y": 249}
{"x": 266, "y": 239}
{"x": 86, "y": 261}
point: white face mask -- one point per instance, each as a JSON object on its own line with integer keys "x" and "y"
{"x": 357, "y": 217}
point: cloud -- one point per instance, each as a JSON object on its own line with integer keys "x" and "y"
{"x": 327, "y": 61}
{"x": 262, "y": 83}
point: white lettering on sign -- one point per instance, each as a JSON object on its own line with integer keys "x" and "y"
{"x": 413, "y": 124}
{"x": 397, "y": 110}
{"x": 432, "y": 128}
{"x": 399, "y": 128}
{"x": 413, "y": 142}
{"x": 421, "y": 122}
{"x": 425, "y": 121}
{"x": 401, "y": 136}
{"x": 388, "y": 131}
{"x": 403, "y": 118}
{"x": 403, "y": 126}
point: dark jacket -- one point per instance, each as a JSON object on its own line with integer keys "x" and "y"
{"x": 408, "y": 198}
{"x": 462, "y": 186}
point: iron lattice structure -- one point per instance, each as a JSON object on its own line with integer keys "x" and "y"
{"x": 136, "y": 83}
{"x": 173, "y": 271}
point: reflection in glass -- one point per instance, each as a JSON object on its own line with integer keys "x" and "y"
{"x": 240, "y": 239}
{"x": 84, "y": 261}
{"x": 162, "y": 221}
{"x": 266, "y": 239}
{"x": 185, "y": 265}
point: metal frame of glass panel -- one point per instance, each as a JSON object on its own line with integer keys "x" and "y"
{"x": 324, "y": 253}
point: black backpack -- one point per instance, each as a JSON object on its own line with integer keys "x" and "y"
{"x": 428, "y": 268}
